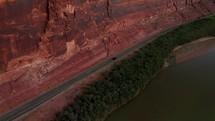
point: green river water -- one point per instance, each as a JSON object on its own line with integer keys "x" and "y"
{"x": 182, "y": 92}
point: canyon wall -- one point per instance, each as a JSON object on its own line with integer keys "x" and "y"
{"x": 40, "y": 37}
{"x": 22, "y": 24}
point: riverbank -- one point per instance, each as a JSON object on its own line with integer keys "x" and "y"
{"x": 127, "y": 78}
{"x": 181, "y": 92}
{"x": 30, "y": 77}
{"x": 48, "y": 110}
{"x": 193, "y": 49}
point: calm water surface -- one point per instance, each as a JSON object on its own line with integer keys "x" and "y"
{"x": 183, "y": 92}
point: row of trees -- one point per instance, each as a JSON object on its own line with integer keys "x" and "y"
{"x": 127, "y": 78}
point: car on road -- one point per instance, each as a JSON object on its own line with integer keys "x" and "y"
{"x": 114, "y": 58}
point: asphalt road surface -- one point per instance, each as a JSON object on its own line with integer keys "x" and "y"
{"x": 32, "y": 104}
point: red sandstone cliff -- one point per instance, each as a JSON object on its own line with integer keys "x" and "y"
{"x": 43, "y": 42}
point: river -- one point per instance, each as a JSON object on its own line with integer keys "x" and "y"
{"x": 182, "y": 92}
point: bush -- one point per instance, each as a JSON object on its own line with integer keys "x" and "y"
{"x": 127, "y": 78}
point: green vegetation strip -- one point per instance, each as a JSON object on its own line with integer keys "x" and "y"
{"x": 126, "y": 79}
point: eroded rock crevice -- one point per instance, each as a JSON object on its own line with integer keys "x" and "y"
{"x": 108, "y": 8}
{"x": 50, "y": 38}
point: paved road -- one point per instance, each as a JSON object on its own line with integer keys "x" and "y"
{"x": 32, "y": 104}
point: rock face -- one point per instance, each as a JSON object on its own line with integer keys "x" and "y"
{"x": 21, "y": 25}
{"x": 40, "y": 37}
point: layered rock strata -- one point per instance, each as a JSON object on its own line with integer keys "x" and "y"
{"x": 44, "y": 42}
